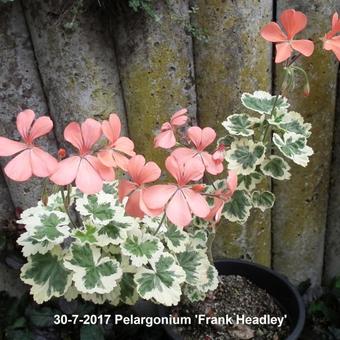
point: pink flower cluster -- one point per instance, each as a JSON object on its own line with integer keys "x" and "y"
{"x": 293, "y": 23}
{"x": 101, "y": 151}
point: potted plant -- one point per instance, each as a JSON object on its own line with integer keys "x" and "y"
{"x": 107, "y": 232}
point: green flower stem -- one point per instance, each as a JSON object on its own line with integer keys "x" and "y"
{"x": 66, "y": 206}
{"x": 160, "y": 224}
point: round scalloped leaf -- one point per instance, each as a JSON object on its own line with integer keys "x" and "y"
{"x": 47, "y": 275}
{"x": 113, "y": 298}
{"x": 263, "y": 102}
{"x": 162, "y": 282}
{"x": 193, "y": 293}
{"x": 92, "y": 273}
{"x": 294, "y": 147}
{"x": 238, "y": 208}
{"x": 197, "y": 239}
{"x": 239, "y": 125}
{"x": 100, "y": 207}
{"x": 276, "y": 167}
{"x": 142, "y": 248}
{"x": 244, "y": 155}
{"x": 176, "y": 239}
{"x": 128, "y": 289}
{"x": 195, "y": 264}
{"x": 263, "y": 200}
{"x": 153, "y": 223}
{"x": 86, "y": 235}
{"x": 31, "y": 246}
{"x": 249, "y": 182}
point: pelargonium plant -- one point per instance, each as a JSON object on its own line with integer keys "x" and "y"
{"x": 109, "y": 231}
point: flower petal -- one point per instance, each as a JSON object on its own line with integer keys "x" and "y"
{"x": 125, "y": 145}
{"x": 193, "y": 170}
{"x": 19, "y": 168}
{"x": 88, "y": 179}
{"x": 91, "y": 132}
{"x": 10, "y": 147}
{"x": 293, "y": 22}
{"x": 135, "y": 166}
{"x": 42, "y": 126}
{"x": 197, "y": 203}
{"x": 165, "y": 140}
{"x": 179, "y": 118}
{"x": 105, "y": 156}
{"x": 150, "y": 172}
{"x": 112, "y": 128}
{"x": 146, "y": 209}
{"x": 24, "y": 122}
{"x": 157, "y": 196}
{"x": 201, "y": 138}
{"x": 72, "y": 134}
{"x": 273, "y": 33}
{"x": 305, "y": 47}
{"x": 211, "y": 166}
{"x": 178, "y": 211}
{"x": 125, "y": 187}
{"x": 105, "y": 172}
{"x": 66, "y": 171}
{"x": 283, "y": 52}
{"x": 132, "y": 206}
{"x": 43, "y": 164}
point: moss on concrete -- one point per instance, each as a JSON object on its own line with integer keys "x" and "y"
{"x": 299, "y": 217}
{"x": 234, "y": 60}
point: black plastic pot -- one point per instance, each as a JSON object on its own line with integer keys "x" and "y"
{"x": 284, "y": 293}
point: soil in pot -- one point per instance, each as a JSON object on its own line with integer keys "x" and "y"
{"x": 235, "y": 295}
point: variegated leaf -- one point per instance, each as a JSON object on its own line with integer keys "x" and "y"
{"x": 162, "y": 282}
{"x": 276, "y": 167}
{"x": 263, "y": 200}
{"x": 238, "y": 208}
{"x": 240, "y": 124}
{"x": 294, "y": 147}
{"x": 249, "y": 182}
{"x": 176, "y": 239}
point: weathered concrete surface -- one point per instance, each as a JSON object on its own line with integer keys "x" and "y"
{"x": 234, "y": 60}
{"x": 10, "y": 281}
{"x": 6, "y": 205}
{"x": 20, "y": 89}
{"x": 299, "y": 217}
{"x": 156, "y": 67}
{"x": 77, "y": 64}
{"x": 332, "y": 248}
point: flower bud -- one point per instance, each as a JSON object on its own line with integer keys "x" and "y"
{"x": 61, "y": 153}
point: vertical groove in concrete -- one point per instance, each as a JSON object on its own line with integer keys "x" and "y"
{"x": 332, "y": 247}
{"x": 21, "y": 89}
{"x": 77, "y": 62}
{"x": 156, "y": 67}
{"x": 299, "y": 217}
{"x": 234, "y": 60}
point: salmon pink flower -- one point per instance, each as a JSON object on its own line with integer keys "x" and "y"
{"x": 331, "y": 41}
{"x": 31, "y": 160}
{"x": 218, "y": 155}
{"x": 166, "y": 138}
{"x": 118, "y": 148}
{"x": 293, "y": 22}
{"x": 201, "y": 139}
{"x": 222, "y": 196}
{"x": 86, "y": 169}
{"x": 140, "y": 174}
{"x": 179, "y": 200}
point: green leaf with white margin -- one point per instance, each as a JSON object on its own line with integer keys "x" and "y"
{"x": 31, "y": 246}
{"x": 238, "y": 208}
{"x": 128, "y": 289}
{"x": 249, "y": 182}
{"x": 240, "y": 124}
{"x": 263, "y": 200}
{"x": 193, "y": 293}
{"x": 195, "y": 264}
{"x": 112, "y": 297}
{"x": 115, "y": 232}
{"x": 197, "y": 238}
{"x": 263, "y": 102}
{"x": 212, "y": 283}
{"x": 100, "y": 207}
{"x": 71, "y": 293}
{"x": 176, "y": 239}
{"x": 86, "y": 235}
{"x": 244, "y": 155}
{"x": 162, "y": 282}
{"x": 47, "y": 275}
{"x": 153, "y": 223}
{"x": 92, "y": 272}
{"x": 291, "y": 122}
{"x": 294, "y": 147}
{"x": 111, "y": 188}
{"x": 276, "y": 167}
{"x": 142, "y": 247}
